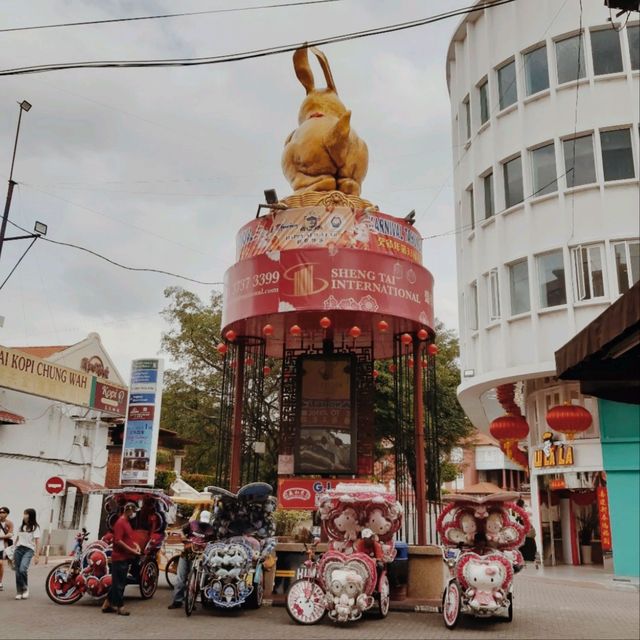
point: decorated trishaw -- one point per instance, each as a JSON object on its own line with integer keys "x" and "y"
{"x": 360, "y": 521}
{"x": 480, "y": 538}
{"x": 89, "y": 570}
{"x": 229, "y": 572}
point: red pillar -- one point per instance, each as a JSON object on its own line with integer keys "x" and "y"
{"x": 504, "y": 478}
{"x": 236, "y": 434}
{"x": 418, "y": 415}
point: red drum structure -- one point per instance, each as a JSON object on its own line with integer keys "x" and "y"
{"x": 323, "y": 286}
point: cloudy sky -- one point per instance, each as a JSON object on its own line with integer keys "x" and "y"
{"x": 159, "y": 167}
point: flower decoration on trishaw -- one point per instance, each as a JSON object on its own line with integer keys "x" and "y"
{"x": 230, "y": 571}
{"x": 480, "y": 537}
{"x": 360, "y": 521}
{"x": 89, "y": 571}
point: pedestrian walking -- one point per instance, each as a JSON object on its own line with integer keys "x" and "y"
{"x": 6, "y": 538}
{"x": 27, "y": 547}
{"x": 196, "y": 535}
{"x": 125, "y": 550}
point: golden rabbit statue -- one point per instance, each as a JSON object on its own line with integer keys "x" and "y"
{"x": 324, "y": 153}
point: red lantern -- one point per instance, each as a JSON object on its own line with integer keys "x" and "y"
{"x": 222, "y": 348}
{"x": 423, "y": 334}
{"x": 424, "y": 364}
{"x": 230, "y": 335}
{"x": 325, "y": 322}
{"x": 508, "y": 430}
{"x": 295, "y": 330}
{"x": 432, "y": 349}
{"x": 410, "y": 362}
{"x": 355, "y": 332}
{"x": 267, "y": 330}
{"x": 266, "y": 370}
{"x": 392, "y": 368}
{"x": 249, "y": 361}
{"x": 406, "y": 339}
{"x": 383, "y": 326}
{"x": 375, "y": 374}
{"x": 569, "y": 419}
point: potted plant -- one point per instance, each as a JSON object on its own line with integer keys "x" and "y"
{"x": 587, "y": 524}
{"x": 287, "y": 520}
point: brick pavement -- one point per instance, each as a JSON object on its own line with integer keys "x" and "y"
{"x": 543, "y": 609}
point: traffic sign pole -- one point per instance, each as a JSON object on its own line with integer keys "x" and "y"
{"x": 46, "y": 555}
{"x": 52, "y": 486}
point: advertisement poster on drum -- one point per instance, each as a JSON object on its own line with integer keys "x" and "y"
{"x": 140, "y": 442}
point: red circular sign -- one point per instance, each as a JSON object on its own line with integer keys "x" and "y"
{"x": 54, "y": 485}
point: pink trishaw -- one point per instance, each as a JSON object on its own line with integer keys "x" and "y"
{"x": 480, "y": 538}
{"x": 360, "y": 521}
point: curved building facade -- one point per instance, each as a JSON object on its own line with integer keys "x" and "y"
{"x": 544, "y": 106}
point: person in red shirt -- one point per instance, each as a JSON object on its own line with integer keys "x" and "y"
{"x": 125, "y": 550}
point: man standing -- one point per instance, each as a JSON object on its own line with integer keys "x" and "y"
{"x": 6, "y": 533}
{"x": 196, "y": 536}
{"x": 125, "y": 550}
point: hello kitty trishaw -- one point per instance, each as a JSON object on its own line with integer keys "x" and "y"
{"x": 351, "y": 577}
{"x": 480, "y": 537}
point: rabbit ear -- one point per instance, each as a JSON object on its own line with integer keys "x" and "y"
{"x": 303, "y": 70}
{"x": 324, "y": 63}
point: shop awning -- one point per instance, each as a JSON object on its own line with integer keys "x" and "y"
{"x": 6, "y": 417}
{"x": 84, "y": 486}
{"x": 604, "y": 356}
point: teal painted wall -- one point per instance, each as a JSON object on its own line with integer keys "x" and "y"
{"x": 620, "y": 436}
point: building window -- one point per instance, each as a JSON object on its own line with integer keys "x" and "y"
{"x": 507, "y": 84}
{"x": 484, "y": 101}
{"x": 543, "y": 167}
{"x": 487, "y": 183}
{"x": 473, "y": 306}
{"x": 551, "y": 279}
{"x": 570, "y": 59}
{"x": 617, "y": 156}
{"x": 633, "y": 35}
{"x": 493, "y": 290}
{"x": 467, "y": 118}
{"x": 471, "y": 213}
{"x": 588, "y": 276}
{"x": 513, "y": 188}
{"x": 627, "y": 264}
{"x": 519, "y": 287}
{"x": 536, "y": 70}
{"x": 606, "y": 51}
{"x": 579, "y": 164}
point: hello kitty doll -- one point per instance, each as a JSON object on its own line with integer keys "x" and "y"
{"x": 468, "y": 526}
{"x": 493, "y": 527}
{"x": 347, "y": 524}
{"x": 378, "y": 523}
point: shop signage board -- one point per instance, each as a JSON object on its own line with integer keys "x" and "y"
{"x": 140, "y": 442}
{"x": 23, "y": 372}
{"x": 553, "y": 454}
{"x": 304, "y": 493}
{"x": 602, "y": 499}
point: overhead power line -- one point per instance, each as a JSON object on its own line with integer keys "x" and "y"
{"x": 164, "y": 15}
{"x": 247, "y": 55}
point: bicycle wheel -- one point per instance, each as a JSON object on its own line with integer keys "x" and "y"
{"x": 61, "y": 584}
{"x": 451, "y": 604}
{"x": 384, "y": 599}
{"x": 254, "y": 601}
{"x": 148, "y": 579}
{"x": 305, "y": 602}
{"x": 191, "y": 592}
{"x": 171, "y": 570}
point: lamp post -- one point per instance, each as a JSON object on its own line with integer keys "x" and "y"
{"x": 24, "y": 106}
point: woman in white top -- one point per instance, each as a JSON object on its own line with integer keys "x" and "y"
{"x": 27, "y": 542}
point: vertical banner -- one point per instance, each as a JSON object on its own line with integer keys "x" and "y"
{"x": 140, "y": 442}
{"x": 603, "y": 514}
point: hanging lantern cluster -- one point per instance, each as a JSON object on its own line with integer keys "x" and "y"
{"x": 569, "y": 419}
{"x": 505, "y": 393}
{"x": 508, "y": 431}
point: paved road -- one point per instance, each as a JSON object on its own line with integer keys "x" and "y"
{"x": 543, "y": 609}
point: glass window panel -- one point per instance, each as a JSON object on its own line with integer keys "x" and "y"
{"x": 543, "y": 166}
{"x": 606, "y": 51}
{"x": 473, "y": 307}
{"x": 513, "y": 188}
{"x": 507, "y": 85}
{"x": 595, "y": 268}
{"x": 519, "y": 287}
{"x": 536, "y": 70}
{"x": 570, "y": 59}
{"x": 551, "y": 279}
{"x": 488, "y": 195}
{"x": 627, "y": 255}
{"x": 579, "y": 163}
{"x": 494, "y": 295}
{"x": 617, "y": 157}
{"x": 467, "y": 117}
{"x": 484, "y": 101}
{"x": 633, "y": 35}
{"x": 471, "y": 208}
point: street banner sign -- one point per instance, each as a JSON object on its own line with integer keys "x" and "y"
{"x": 140, "y": 442}
{"x": 54, "y": 485}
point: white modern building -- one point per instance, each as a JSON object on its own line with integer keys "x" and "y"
{"x": 544, "y": 105}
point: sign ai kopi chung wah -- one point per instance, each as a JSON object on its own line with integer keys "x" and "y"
{"x": 140, "y": 442}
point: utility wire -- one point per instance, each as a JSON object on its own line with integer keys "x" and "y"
{"x": 165, "y": 15}
{"x": 118, "y": 264}
{"x": 247, "y": 55}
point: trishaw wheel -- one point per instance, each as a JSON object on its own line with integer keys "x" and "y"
{"x": 191, "y": 592}
{"x": 305, "y": 602}
{"x": 171, "y": 570}
{"x": 509, "y": 617}
{"x": 148, "y": 579}
{"x": 384, "y": 599}
{"x": 58, "y": 587}
{"x": 451, "y": 604}
{"x": 254, "y": 601}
